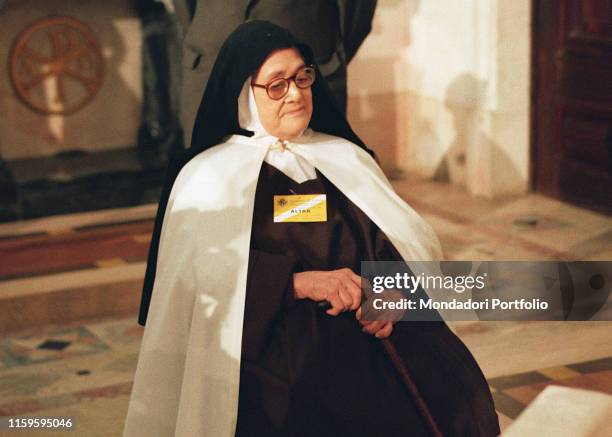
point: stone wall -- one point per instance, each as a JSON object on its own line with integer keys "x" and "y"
{"x": 441, "y": 88}
{"x": 111, "y": 119}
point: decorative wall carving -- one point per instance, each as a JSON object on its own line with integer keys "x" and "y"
{"x": 56, "y": 65}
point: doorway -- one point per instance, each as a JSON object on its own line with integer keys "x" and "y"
{"x": 571, "y": 155}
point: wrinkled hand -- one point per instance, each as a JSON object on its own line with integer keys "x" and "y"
{"x": 378, "y": 328}
{"x": 341, "y": 288}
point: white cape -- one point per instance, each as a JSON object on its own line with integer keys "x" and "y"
{"x": 186, "y": 382}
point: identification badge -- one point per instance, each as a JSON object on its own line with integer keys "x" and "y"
{"x": 300, "y": 208}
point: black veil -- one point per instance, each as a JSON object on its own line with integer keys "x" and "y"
{"x": 241, "y": 55}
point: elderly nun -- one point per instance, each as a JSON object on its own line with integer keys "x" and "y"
{"x": 268, "y": 214}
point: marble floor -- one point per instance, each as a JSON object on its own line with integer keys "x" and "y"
{"x": 83, "y": 366}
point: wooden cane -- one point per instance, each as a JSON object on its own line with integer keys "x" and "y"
{"x": 406, "y": 378}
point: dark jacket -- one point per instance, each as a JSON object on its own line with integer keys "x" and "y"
{"x": 334, "y": 29}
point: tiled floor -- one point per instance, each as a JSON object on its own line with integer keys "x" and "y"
{"x": 75, "y": 249}
{"x": 89, "y": 377}
{"x": 85, "y": 369}
{"x": 513, "y": 392}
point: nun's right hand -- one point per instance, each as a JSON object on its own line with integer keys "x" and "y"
{"x": 341, "y": 288}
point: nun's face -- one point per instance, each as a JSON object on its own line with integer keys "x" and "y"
{"x": 287, "y": 117}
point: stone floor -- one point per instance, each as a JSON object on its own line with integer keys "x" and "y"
{"x": 85, "y": 368}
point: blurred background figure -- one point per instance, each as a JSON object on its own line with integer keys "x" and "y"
{"x": 159, "y": 134}
{"x": 334, "y": 29}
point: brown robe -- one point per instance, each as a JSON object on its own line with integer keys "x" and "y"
{"x": 305, "y": 373}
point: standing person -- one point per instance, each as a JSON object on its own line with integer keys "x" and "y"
{"x": 334, "y": 30}
{"x": 235, "y": 342}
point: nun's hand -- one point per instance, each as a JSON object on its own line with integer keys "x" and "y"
{"x": 341, "y": 288}
{"x": 378, "y": 328}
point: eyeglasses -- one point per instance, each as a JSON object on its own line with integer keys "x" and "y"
{"x": 278, "y": 88}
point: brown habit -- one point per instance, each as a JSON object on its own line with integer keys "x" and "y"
{"x": 305, "y": 373}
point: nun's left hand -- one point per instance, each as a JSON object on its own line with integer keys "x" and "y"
{"x": 378, "y": 328}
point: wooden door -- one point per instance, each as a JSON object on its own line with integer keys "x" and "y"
{"x": 572, "y": 101}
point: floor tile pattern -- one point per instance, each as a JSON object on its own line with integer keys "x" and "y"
{"x": 512, "y": 393}
{"x": 86, "y": 369}
{"x": 60, "y": 344}
{"x": 82, "y": 365}
{"x": 92, "y": 247}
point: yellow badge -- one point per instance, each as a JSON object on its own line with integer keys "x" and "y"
{"x": 300, "y": 208}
